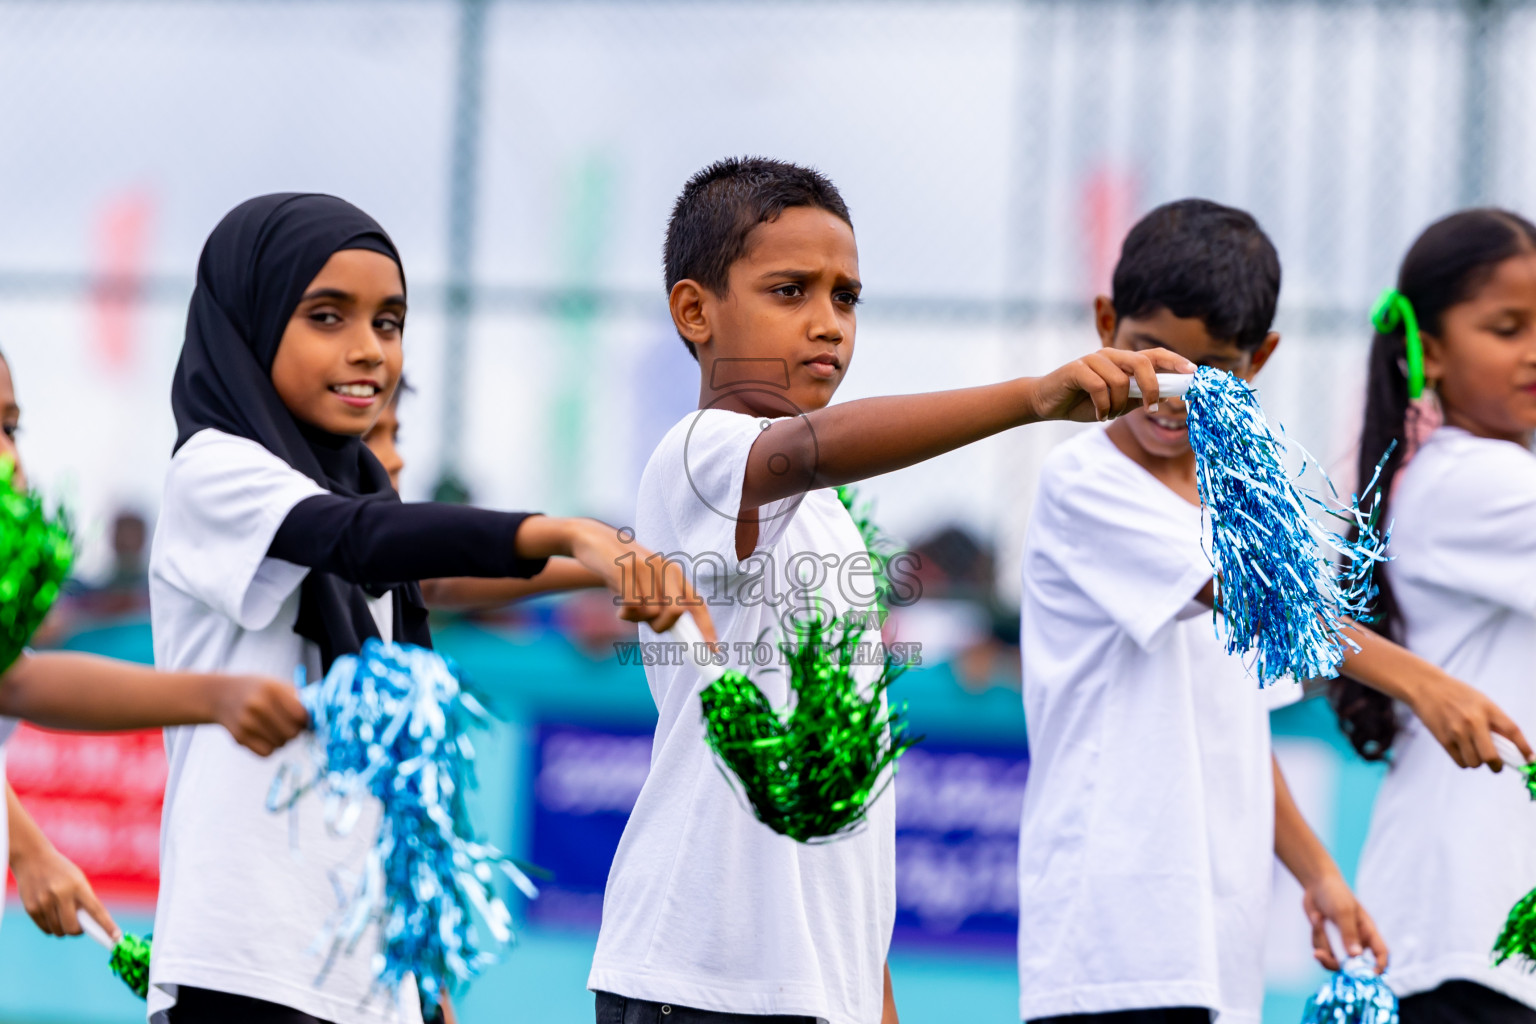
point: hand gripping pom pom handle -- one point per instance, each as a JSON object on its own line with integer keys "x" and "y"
{"x": 1169, "y": 385}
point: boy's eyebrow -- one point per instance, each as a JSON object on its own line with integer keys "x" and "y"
{"x": 801, "y": 275}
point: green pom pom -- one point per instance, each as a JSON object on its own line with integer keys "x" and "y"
{"x": 130, "y": 962}
{"x": 1518, "y": 939}
{"x": 1528, "y": 773}
{"x": 880, "y": 545}
{"x": 35, "y": 556}
{"x": 813, "y": 771}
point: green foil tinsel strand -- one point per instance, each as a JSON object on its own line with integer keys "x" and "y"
{"x": 1518, "y": 939}
{"x": 35, "y": 556}
{"x": 813, "y": 771}
{"x": 882, "y": 547}
{"x": 130, "y": 962}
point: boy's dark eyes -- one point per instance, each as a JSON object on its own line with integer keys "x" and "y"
{"x": 11, "y": 429}
{"x": 848, "y": 298}
{"x": 789, "y": 291}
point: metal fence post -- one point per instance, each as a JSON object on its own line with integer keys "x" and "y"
{"x": 463, "y": 197}
{"x": 1479, "y": 110}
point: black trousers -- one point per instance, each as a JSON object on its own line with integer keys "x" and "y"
{"x": 1463, "y": 1002}
{"x": 612, "y": 1009}
{"x": 205, "y": 1006}
{"x": 1165, "y": 1015}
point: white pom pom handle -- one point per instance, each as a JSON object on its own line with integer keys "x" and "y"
{"x": 1169, "y": 385}
{"x": 96, "y": 931}
{"x": 687, "y": 631}
{"x": 1509, "y": 754}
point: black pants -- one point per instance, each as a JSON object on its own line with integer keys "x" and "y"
{"x": 612, "y": 1009}
{"x": 1463, "y": 1002}
{"x": 205, "y": 1006}
{"x": 1166, "y": 1015}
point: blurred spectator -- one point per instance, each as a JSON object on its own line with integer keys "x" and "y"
{"x": 958, "y": 618}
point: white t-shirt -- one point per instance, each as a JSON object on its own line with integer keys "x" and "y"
{"x": 245, "y": 893}
{"x": 1146, "y": 848}
{"x": 706, "y": 906}
{"x": 1450, "y": 851}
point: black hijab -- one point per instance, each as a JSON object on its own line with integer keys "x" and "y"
{"x": 254, "y": 270}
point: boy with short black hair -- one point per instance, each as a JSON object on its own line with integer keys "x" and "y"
{"x": 1154, "y": 805}
{"x": 709, "y": 915}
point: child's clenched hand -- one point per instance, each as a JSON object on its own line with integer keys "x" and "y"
{"x": 260, "y": 713}
{"x": 55, "y": 892}
{"x": 650, "y": 590}
{"x": 1098, "y": 386}
{"x": 1329, "y": 900}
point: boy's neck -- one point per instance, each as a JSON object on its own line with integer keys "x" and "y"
{"x": 1177, "y": 473}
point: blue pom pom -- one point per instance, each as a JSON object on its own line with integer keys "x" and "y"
{"x": 1355, "y": 995}
{"x": 1281, "y": 597}
{"x": 392, "y": 725}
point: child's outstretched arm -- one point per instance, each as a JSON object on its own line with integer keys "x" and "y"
{"x": 53, "y": 890}
{"x": 1326, "y": 896}
{"x": 854, "y": 440}
{"x": 378, "y": 542}
{"x": 1461, "y": 717}
{"x": 467, "y": 592}
{"x": 63, "y": 690}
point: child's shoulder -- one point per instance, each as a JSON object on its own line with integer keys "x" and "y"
{"x": 1459, "y": 468}
{"x": 1084, "y": 463}
{"x": 213, "y": 465}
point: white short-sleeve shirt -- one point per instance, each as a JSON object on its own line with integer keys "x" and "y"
{"x": 1450, "y": 851}
{"x": 1147, "y": 838}
{"x": 705, "y": 906}
{"x": 245, "y": 893}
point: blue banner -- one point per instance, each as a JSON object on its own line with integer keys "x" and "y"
{"x": 957, "y": 832}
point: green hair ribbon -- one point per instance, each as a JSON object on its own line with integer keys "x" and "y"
{"x": 1392, "y": 311}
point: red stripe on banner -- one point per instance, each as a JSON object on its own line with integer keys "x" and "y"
{"x": 1109, "y": 211}
{"x": 98, "y": 799}
{"x": 122, "y": 235}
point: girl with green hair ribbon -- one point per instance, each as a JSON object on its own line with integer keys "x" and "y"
{"x": 1452, "y": 385}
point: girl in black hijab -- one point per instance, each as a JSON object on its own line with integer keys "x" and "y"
{"x": 280, "y": 544}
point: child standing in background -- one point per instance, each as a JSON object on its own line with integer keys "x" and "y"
{"x": 281, "y": 544}
{"x": 1448, "y": 853}
{"x": 1154, "y": 807}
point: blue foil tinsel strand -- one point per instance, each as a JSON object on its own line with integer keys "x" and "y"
{"x": 392, "y": 725}
{"x": 1281, "y": 596}
{"x": 1355, "y": 995}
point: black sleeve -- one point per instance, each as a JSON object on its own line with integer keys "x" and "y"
{"x": 386, "y": 542}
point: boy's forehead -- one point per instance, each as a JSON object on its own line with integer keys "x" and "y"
{"x": 803, "y": 233}
{"x": 1186, "y": 335}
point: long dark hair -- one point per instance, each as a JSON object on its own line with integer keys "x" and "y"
{"x": 1445, "y": 266}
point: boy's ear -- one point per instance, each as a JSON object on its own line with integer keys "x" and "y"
{"x": 1104, "y": 319}
{"x": 689, "y": 313}
{"x": 1264, "y": 350}
{"x": 1261, "y": 355}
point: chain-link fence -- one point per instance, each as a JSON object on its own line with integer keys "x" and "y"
{"x": 525, "y": 156}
